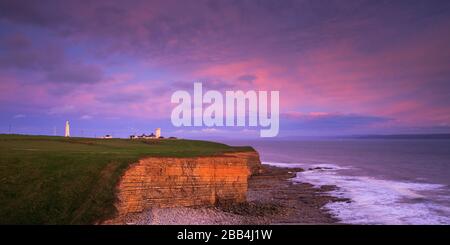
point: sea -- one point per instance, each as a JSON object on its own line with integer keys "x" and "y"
{"x": 389, "y": 181}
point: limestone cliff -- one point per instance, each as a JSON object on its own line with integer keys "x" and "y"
{"x": 194, "y": 181}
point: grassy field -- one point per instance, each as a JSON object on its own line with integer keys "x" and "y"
{"x": 56, "y": 180}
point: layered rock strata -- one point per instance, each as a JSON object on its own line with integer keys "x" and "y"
{"x": 185, "y": 182}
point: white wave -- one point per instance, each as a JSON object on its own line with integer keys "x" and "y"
{"x": 284, "y": 165}
{"x": 377, "y": 201}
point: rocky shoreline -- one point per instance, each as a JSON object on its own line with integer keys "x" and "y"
{"x": 272, "y": 198}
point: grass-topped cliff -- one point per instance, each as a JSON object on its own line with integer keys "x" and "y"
{"x": 56, "y": 180}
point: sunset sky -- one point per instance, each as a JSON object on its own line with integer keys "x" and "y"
{"x": 109, "y": 67}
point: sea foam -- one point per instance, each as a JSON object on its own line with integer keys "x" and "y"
{"x": 377, "y": 201}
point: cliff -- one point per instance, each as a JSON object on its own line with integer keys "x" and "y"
{"x": 188, "y": 181}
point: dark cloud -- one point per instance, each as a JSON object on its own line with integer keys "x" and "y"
{"x": 21, "y": 53}
{"x": 76, "y": 73}
{"x": 123, "y": 97}
{"x": 168, "y": 32}
{"x": 31, "y": 12}
{"x": 207, "y": 84}
{"x": 247, "y": 78}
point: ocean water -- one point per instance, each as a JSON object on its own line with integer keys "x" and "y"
{"x": 390, "y": 181}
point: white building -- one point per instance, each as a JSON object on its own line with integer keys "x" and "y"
{"x": 143, "y": 136}
{"x": 155, "y": 135}
{"x": 67, "y": 130}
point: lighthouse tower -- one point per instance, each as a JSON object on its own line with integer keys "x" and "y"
{"x": 67, "y": 130}
{"x": 158, "y": 133}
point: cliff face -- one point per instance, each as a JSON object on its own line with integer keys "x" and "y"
{"x": 196, "y": 181}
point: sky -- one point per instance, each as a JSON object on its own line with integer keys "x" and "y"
{"x": 342, "y": 67}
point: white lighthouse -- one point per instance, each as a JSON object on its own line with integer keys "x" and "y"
{"x": 67, "y": 130}
{"x": 158, "y": 133}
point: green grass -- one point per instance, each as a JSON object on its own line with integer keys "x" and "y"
{"x": 56, "y": 180}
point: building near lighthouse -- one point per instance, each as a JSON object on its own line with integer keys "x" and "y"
{"x": 156, "y": 135}
{"x": 67, "y": 130}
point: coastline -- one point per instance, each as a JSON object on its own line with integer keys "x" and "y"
{"x": 272, "y": 198}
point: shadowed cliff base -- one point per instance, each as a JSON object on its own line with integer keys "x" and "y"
{"x": 271, "y": 199}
